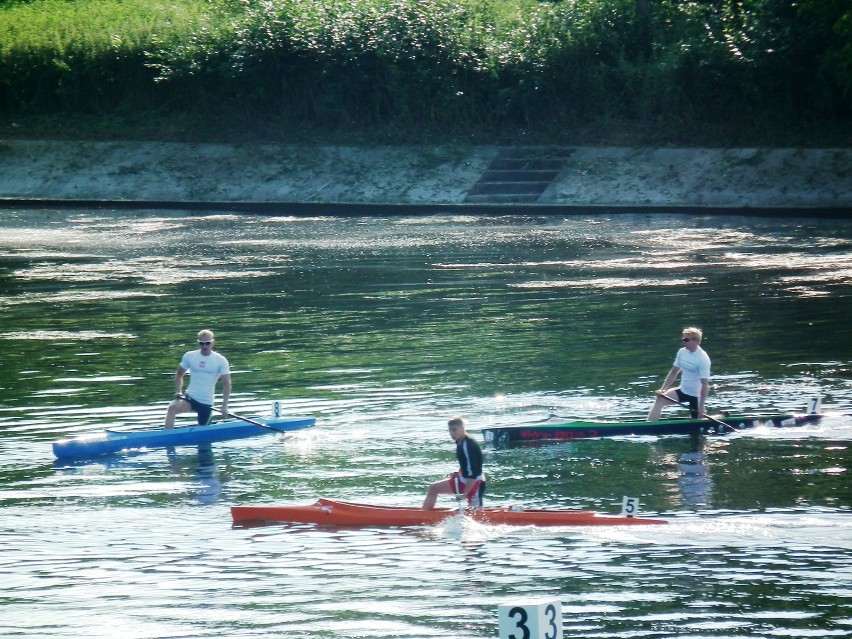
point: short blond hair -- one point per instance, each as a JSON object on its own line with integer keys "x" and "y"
{"x": 205, "y": 335}
{"x": 455, "y": 422}
{"x": 694, "y": 332}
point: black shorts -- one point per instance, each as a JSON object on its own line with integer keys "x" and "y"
{"x": 203, "y": 411}
{"x": 693, "y": 402}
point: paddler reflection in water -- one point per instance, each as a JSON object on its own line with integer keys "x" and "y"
{"x": 469, "y": 481}
{"x": 205, "y": 367}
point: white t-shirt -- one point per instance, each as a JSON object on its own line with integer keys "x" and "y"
{"x": 203, "y": 373}
{"x": 694, "y": 367}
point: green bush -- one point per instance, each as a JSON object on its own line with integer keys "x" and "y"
{"x": 460, "y": 66}
{"x": 84, "y": 55}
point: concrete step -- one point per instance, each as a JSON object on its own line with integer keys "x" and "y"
{"x": 491, "y": 175}
{"x": 536, "y": 151}
{"x": 518, "y": 175}
{"x": 526, "y": 164}
{"x": 508, "y": 188}
{"x": 502, "y": 198}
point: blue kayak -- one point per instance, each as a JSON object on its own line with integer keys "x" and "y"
{"x": 113, "y": 441}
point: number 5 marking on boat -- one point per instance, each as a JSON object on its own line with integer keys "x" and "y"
{"x": 629, "y": 506}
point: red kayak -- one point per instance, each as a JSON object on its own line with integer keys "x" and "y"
{"x": 341, "y": 513}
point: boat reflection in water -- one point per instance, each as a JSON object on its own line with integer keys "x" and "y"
{"x": 696, "y": 485}
{"x": 201, "y": 475}
{"x": 208, "y": 479}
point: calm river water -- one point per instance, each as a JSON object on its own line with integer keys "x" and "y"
{"x": 383, "y": 328}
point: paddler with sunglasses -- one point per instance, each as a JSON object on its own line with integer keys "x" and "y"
{"x": 205, "y": 367}
{"x": 693, "y": 365}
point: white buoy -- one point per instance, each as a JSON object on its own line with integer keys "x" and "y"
{"x": 530, "y": 619}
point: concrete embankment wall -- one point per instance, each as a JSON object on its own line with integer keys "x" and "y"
{"x": 471, "y": 179}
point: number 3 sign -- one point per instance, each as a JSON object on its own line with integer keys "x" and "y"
{"x": 530, "y": 620}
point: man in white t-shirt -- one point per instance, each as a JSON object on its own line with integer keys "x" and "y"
{"x": 205, "y": 367}
{"x": 693, "y": 365}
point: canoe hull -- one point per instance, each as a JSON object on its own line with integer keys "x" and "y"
{"x": 509, "y": 435}
{"x": 337, "y": 513}
{"x": 112, "y": 441}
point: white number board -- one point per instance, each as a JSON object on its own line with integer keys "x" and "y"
{"x": 629, "y": 506}
{"x": 815, "y": 404}
{"x": 541, "y": 619}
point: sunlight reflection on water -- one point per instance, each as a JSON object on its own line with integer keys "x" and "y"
{"x": 383, "y": 328}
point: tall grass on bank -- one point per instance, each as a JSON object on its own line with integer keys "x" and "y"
{"x": 86, "y": 55}
{"x": 465, "y": 66}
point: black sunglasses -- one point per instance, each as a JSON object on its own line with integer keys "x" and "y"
{"x": 204, "y": 343}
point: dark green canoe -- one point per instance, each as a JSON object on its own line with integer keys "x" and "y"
{"x": 508, "y": 435}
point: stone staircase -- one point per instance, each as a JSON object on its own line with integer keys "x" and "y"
{"x": 518, "y": 175}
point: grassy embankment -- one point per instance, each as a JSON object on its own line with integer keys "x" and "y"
{"x": 720, "y": 73}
